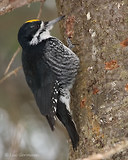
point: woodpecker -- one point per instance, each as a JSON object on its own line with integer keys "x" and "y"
{"x": 50, "y": 69}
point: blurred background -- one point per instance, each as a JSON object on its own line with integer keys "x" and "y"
{"x": 24, "y": 132}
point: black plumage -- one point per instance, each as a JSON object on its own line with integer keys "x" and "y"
{"x": 50, "y": 69}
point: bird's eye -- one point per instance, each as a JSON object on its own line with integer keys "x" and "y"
{"x": 38, "y": 25}
{"x": 32, "y": 26}
{"x": 35, "y": 26}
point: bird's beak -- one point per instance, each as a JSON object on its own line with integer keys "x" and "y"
{"x": 52, "y": 22}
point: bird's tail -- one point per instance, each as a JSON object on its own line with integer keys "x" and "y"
{"x": 51, "y": 121}
{"x": 65, "y": 117}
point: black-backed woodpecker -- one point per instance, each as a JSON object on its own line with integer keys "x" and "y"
{"x": 50, "y": 69}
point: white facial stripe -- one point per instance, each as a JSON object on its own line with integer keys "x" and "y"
{"x": 35, "y": 40}
{"x": 38, "y": 32}
{"x": 44, "y": 35}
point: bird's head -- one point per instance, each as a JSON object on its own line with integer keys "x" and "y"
{"x": 34, "y": 31}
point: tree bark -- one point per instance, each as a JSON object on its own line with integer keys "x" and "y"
{"x": 100, "y": 94}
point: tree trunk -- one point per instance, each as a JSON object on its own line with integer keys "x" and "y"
{"x": 100, "y": 94}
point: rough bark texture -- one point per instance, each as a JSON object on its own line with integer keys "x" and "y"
{"x": 9, "y": 5}
{"x": 100, "y": 94}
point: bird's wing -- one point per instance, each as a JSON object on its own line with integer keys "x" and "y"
{"x": 45, "y": 90}
{"x": 62, "y": 61}
{"x": 47, "y": 97}
{"x": 42, "y": 81}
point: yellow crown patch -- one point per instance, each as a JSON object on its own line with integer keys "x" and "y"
{"x": 32, "y": 20}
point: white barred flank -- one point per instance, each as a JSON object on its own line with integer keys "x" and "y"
{"x": 63, "y": 62}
